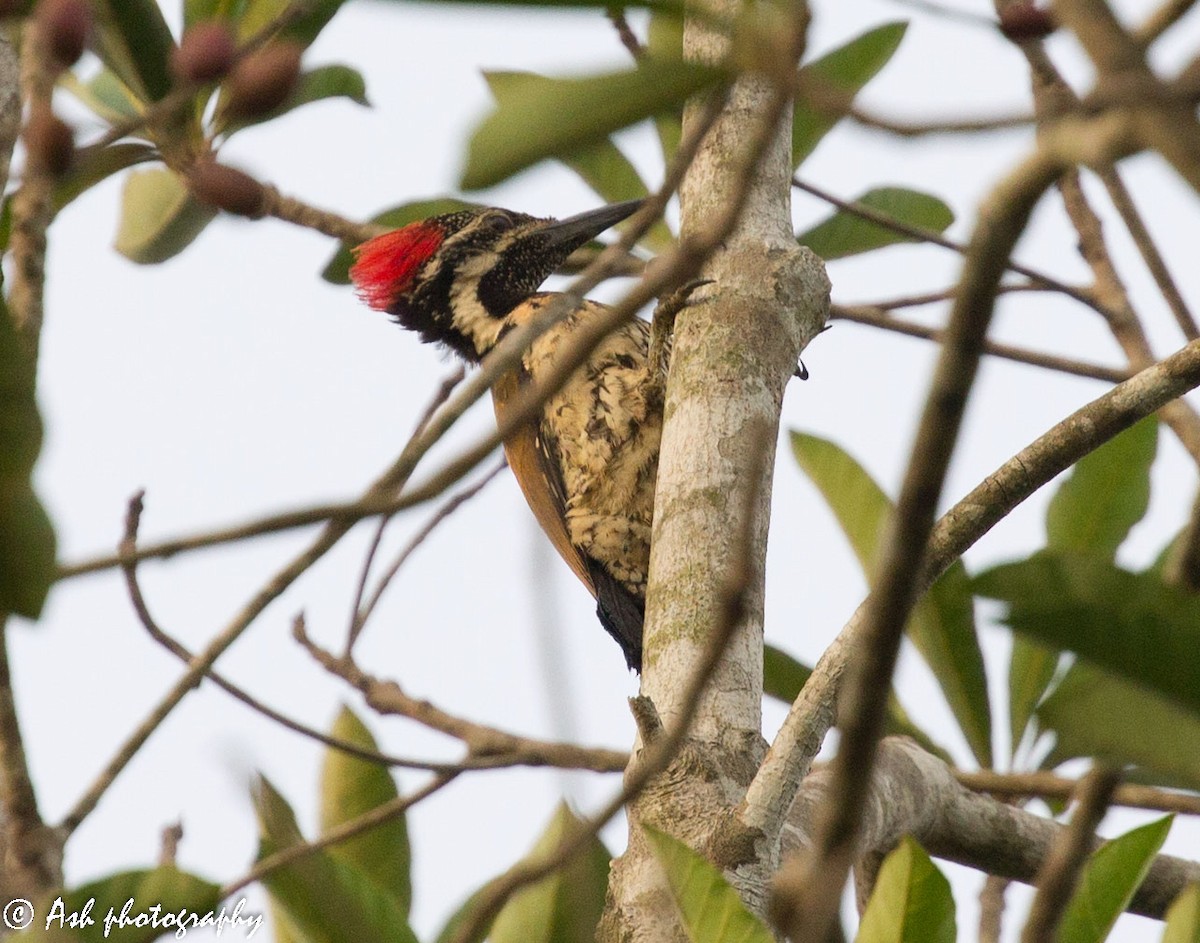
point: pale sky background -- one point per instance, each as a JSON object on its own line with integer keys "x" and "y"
{"x": 232, "y": 381}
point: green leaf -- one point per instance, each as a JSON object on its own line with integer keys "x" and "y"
{"x": 1183, "y": 917}
{"x": 942, "y": 625}
{"x": 259, "y": 14}
{"x": 1106, "y": 493}
{"x": 911, "y": 902}
{"x": 664, "y": 40}
{"x": 105, "y": 94}
{"x": 27, "y": 551}
{"x": 27, "y": 541}
{"x": 94, "y": 166}
{"x": 314, "y": 85}
{"x": 323, "y": 897}
{"x": 844, "y": 234}
{"x": 1095, "y": 713}
{"x": 564, "y": 907}
{"x": 337, "y": 270}
{"x": 1129, "y": 623}
{"x": 844, "y": 71}
{"x": 159, "y": 217}
{"x": 712, "y": 911}
{"x": 601, "y": 165}
{"x": 784, "y": 676}
{"x": 134, "y": 41}
{"x": 173, "y": 890}
{"x": 351, "y": 787}
{"x": 450, "y": 930}
{"x": 1030, "y": 671}
{"x": 197, "y": 11}
{"x": 1108, "y": 882}
{"x": 559, "y": 116}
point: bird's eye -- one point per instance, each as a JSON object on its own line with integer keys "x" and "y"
{"x": 500, "y": 221}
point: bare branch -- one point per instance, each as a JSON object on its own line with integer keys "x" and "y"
{"x": 172, "y": 835}
{"x": 362, "y": 611}
{"x": 616, "y": 16}
{"x": 1122, "y": 200}
{"x": 991, "y": 908}
{"x": 915, "y": 793}
{"x": 344, "y": 832}
{"x": 1161, "y": 20}
{"x": 921, "y": 234}
{"x": 387, "y": 697}
{"x": 291, "y": 210}
{"x": 875, "y": 317}
{"x": 1060, "y": 871}
{"x": 179, "y": 651}
{"x": 1046, "y": 784}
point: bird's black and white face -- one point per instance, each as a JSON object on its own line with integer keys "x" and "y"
{"x": 455, "y": 278}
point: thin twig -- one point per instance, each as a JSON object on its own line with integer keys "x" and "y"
{"x": 1161, "y": 20}
{"x": 387, "y": 697}
{"x": 344, "y": 832}
{"x": 949, "y": 13}
{"x": 938, "y": 297}
{"x": 1048, "y": 785}
{"x": 1060, "y": 871}
{"x": 916, "y": 128}
{"x": 920, "y": 234}
{"x": 291, "y": 210}
{"x": 172, "y": 645}
{"x": 363, "y": 611}
{"x": 440, "y": 395}
{"x": 1122, "y": 200}
{"x": 873, "y": 317}
{"x": 172, "y": 835}
{"x": 616, "y": 16}
{"x": 991, "y": 908}
{"x": 350, "y": 512}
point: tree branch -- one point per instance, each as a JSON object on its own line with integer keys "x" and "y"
{"x": 915, "y": 793}
{"x": 877, "y": 317}
{"x": 387, "y": 697}
{"x": 1046, "y": 784}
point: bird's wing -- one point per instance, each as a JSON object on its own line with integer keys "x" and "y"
{"x": 537, "y": 473}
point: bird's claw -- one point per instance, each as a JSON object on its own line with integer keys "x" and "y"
{"x": 670, "y": 305}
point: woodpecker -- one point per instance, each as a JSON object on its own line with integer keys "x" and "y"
{"x": 587, "y": 464}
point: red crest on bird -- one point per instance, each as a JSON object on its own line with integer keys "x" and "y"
{"x": 385, "y": 266}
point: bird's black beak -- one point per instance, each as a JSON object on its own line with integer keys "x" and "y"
{"x": 571, "y": 233}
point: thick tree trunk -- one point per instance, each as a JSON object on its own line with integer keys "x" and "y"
{"x": 735, "y": 350}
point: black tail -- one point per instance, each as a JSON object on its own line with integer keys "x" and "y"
{"x": 621, "y": 613}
